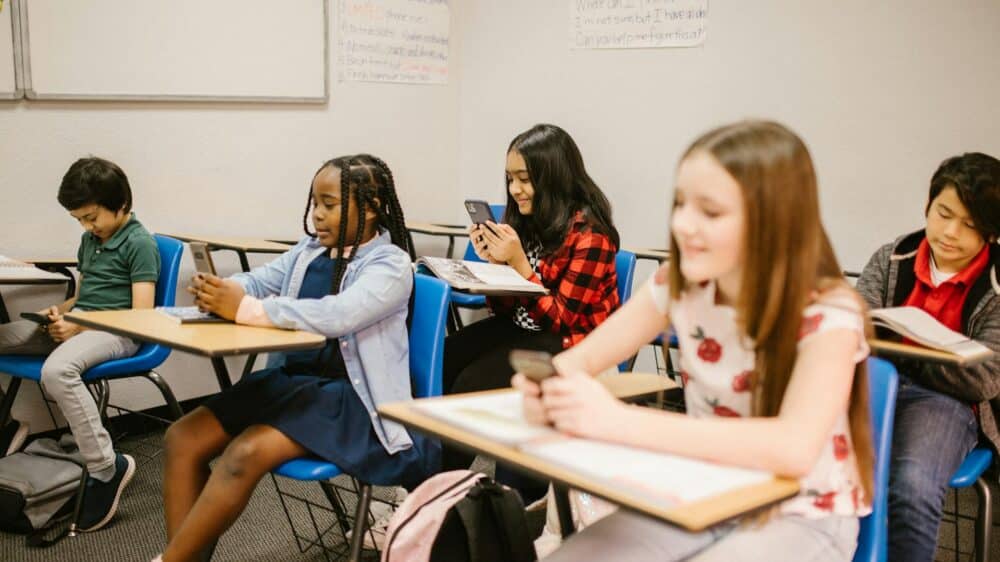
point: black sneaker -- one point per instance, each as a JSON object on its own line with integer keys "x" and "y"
{"x": 12, "y": 437}
{"x": 100, "y": 499}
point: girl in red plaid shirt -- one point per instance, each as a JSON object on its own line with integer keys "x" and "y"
{"x": 557, "y": 232}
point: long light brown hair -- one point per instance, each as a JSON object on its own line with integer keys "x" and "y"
{"x": 788, "y": 261}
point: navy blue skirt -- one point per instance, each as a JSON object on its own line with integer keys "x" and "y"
{"x": 325, "y": 416}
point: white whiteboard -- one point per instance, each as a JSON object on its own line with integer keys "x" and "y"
{"x": 9, "y": 86}
{"x": 214, "y": 50}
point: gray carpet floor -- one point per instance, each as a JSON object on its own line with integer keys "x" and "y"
{"x": 263, "y": 532}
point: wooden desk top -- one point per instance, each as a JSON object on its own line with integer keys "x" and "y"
{"x": 53, "y": 262}
{"x": 695, "y": 516}
{"x": 437, "y": 229}
{"x": 899, "y": 349}
{"x": 15, "y": 272}
{"x": 211, "y": 340}
{"x": 658, "y": 254}
{"x": 252, "y": 245}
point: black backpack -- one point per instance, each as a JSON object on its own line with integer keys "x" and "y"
{"x": 470, "y": 517}
{"x": 488, "y": 525}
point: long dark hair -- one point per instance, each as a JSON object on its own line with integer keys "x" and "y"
{"x": 562, "y": 188}
{"x": 368, "y": 179}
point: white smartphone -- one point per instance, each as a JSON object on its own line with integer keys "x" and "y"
{"x": 202, "y": 258}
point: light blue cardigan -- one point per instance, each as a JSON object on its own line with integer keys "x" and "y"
{"x": 368, "y": 315}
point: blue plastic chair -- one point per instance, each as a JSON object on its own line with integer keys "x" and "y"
{"x": 873, "y": 535}
{"x": 971, "y": 473}
{"x": 148, "y": 357}
{"x": 625, "y": 269}
{"x": 427, "y": 331}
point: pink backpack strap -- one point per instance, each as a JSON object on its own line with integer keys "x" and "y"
{"x": 413, "y": 528}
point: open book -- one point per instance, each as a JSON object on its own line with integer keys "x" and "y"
{"x": 922, "y": 328}
{"x": 480, "y": 277}
{"x": 189, "y": 315}
{"x": 665, "y": 479}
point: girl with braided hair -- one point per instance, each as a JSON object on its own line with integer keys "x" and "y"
{"x": 349, "y": 279}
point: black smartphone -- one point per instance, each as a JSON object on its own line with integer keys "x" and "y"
{"x": 36, "y": 318}
{"x": 536, "y": 365}
{"x": 479, "y": 211}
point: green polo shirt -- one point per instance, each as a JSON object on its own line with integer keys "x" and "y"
{"x": 109, "y": 269}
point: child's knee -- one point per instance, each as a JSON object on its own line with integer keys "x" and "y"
{"x": 241, "y": 458}
{"x": 184, "y": 439}
{"x": 58, "y": 374}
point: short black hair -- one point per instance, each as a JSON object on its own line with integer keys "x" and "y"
{"x": 94, "y": 180}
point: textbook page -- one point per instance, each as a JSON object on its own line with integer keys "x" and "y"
{"x": 11, "y": 269}
{"x": 668, "y": 478}
{"x": 496, "y": 415}
{"x": 921, "y": 327}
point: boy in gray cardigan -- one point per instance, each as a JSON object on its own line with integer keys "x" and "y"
{"x": 950, "y": 270}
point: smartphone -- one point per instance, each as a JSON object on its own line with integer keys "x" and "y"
{"x": 202, "y": 258}
{"x": 536, "y": 365}
{"x": 479, "y": 211}
{"x": 37, "y": 318}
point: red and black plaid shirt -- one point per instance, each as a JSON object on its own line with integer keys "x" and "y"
{"x": 582, "y": 284}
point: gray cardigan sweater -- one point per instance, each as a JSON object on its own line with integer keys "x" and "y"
{"x": 888, "y": 280}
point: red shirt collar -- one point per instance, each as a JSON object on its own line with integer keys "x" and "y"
{"x": 922, "y": 266}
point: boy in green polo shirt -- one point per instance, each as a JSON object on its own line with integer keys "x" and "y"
{"x": 119, "y": 264}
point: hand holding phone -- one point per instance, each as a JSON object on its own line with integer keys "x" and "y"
{"x": 536, "y": 365}
{"x": 37, "y": 318}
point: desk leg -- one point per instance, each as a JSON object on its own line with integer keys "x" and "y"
{"x": 248, "y": 366}
{"x": 4, "y": 317}
{"x": 564, "y": 510}
{"x": 451, "y": 247}
{"x": 244, "y": 262}
{"x": 221, "y": 372}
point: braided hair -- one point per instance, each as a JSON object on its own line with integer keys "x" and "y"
{"x": 368, "y": 179}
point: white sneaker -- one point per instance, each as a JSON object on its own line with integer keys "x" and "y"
{"x": 382, "y": 511}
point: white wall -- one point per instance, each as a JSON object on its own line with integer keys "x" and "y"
{"x": 880, "y": 91}
{"x": 225, "y": 169}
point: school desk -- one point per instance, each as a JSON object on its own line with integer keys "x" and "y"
{"x": 242, "y": 246}
{"x": 433, "y": 229}
{"x": 694, "y": 516}
{"x": 214, "y": 341}
{"x": 888, "y": 348}
{"x": 655, "y": 254}
{"x": 22, "y": 273}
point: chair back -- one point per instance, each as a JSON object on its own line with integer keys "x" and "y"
{"x": 150, "y": 355}
{"x": 625, "y": 269}
{"x": 427, "y": 331}
{"x": 873, "y": 535}
{"x": 470, "y": 251}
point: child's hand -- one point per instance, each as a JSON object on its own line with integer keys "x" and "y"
{"x": 505, "y": 245}
{"x": 219, "y": 296}
{"x": 479, "y": 244}
{"x": 531, "y": 395}
{"x": 580, "y": 405}
{"x": 51, "y": 312}
{"x": 61, "y": 330}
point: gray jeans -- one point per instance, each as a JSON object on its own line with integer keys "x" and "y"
{"x": 628, "y": 536}
{"x": 61, "y": 372}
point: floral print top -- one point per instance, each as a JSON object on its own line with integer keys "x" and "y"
{"x": 717, "y": 363}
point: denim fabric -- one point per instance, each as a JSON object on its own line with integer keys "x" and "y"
{"x": 933, "y": 433}
{"x": 368, "y": 316}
